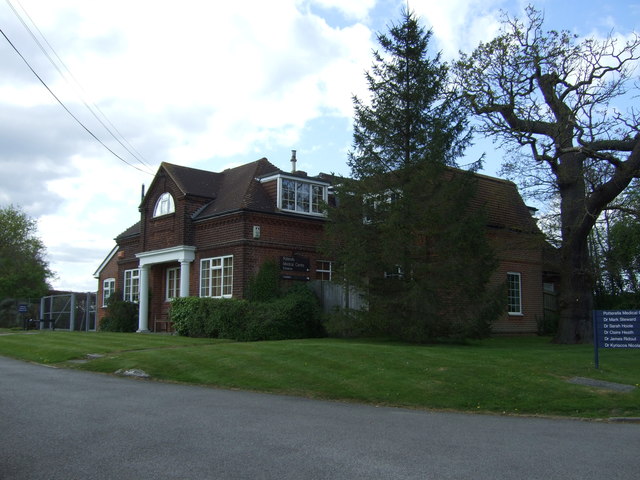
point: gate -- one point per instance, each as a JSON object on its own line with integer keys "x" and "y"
{"x": 69, "y": 311}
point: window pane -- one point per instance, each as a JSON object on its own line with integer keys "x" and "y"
{"x": 132, "y": 285}
{"x": 205, "y": 274}
{"x": 288, "y": 194}
{"x": 514, "y": 299}
{"x": 173, "y": 283}
{"x": 216, "y": 280}
{"x": 323, "y": 270}
{"x": 108, "y": 287}
{"x": 164, "y": 205}
{"x": 302, "y": 197}
{"x": 317, "y": 195}
{"x": 228, "y": 277}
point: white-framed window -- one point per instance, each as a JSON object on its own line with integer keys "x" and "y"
{"x": 173, "y": 283}
{"x": 108, "y": 287}
{"x": 396, "y": 273}
{"x": 165, "y": 205}
{"x": 216, "y": 277}
{"x": 514, "y": 293}
{"x": 374, "y": 204}
{"x": 302, "y": 197}
{"x": 131, "y": 291}
{"x": 323, "y": 270}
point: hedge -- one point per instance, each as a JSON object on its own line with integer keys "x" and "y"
{"x": 295, "y": 315}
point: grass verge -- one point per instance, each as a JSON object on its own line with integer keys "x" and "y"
{"x": 501, "y": 375}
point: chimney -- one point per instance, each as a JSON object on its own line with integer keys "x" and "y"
{"x": 293, "y": 161}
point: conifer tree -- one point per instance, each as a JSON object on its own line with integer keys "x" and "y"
{"x": 404, "y": 231}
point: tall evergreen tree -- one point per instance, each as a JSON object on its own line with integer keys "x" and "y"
{"x": 404, "y": 231}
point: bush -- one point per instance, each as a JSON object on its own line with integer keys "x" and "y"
{"x": 348, "y": 323}
{"x": 122, "y": 316}
{"x": 295, "y": 315}
{"x": 265, "y": 286}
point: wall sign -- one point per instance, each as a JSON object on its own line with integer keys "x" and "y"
{"x": 294, "y": 263}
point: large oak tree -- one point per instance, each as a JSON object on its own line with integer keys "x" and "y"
{"x": 557, "y": 95}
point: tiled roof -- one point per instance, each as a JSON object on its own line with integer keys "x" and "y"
{"x": 238, "y": 188}
{"x": 130, "y": 232}
{"x": 503, "y": 205}
{"x": 192, "y": 181}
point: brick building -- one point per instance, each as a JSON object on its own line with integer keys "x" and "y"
{"x": 204, "y": 233}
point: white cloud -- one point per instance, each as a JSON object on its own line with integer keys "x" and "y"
{"x": 356, "y": 9}
{"x": 208, "y": 84}
{"x": 184, "y": 82}
{"x": 459, "y": 25}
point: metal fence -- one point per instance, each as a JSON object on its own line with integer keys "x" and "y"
{"x": 334, "y": 296}
{"x": 69, "y": 311}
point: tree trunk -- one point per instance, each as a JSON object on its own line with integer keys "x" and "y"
{"x": 576, "y": 279}
{"x": 576, "y": 298}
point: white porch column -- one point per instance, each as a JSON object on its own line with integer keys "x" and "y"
{"x": 143, "y": 301}
{"x": 184, "y": 277}
{"x": 183, "y": 254}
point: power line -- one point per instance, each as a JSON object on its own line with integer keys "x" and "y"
{"x": 65, "y": 107}
{"x": 79, "y": 89}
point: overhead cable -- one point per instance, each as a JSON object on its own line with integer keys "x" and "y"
{"x": 79, "y": 89}
{"x": 65, "y": 107}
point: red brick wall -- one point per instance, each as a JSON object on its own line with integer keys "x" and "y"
{"x": 109, "y": 271}
{"x": 285, "y": 235}
{"x": 233, "y": 235}
{"x": 168, "y": 230}
{"x": 520, "y": 253}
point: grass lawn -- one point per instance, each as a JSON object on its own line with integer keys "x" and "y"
{"x": 501, "y": 375}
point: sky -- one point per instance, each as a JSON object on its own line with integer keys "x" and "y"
{"x": 204, "y": 84}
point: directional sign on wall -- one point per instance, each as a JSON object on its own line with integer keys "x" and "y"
{"x": 294, "y": 263}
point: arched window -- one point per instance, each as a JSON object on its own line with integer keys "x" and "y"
{"x": 164, "y": 205}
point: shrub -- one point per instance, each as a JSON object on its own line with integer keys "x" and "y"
{"x": 349, "y": 323}
{"x": 265, "y": 286}
{"x": 295, "y": 315}
{"x": 122, "y": 316}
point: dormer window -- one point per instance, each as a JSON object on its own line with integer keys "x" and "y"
{"x": 300, "y": 195}
{"x": 164, "y": 206}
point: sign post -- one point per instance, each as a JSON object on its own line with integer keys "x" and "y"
{"x": 615, "y": 329}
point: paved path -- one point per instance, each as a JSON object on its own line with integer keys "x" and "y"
{"x": 65, "y": 424}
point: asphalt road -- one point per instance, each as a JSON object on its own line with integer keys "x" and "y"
{"x": 66, "y": 424}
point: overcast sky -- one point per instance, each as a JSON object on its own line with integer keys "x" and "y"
{"x": 207, "y": 84}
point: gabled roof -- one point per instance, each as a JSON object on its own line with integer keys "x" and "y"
{"x": 192, "y": 181}
{"x": 105, "y": 261}
{"x": 238, "y": 189}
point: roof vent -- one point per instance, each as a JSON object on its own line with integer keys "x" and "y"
{"x": 293, "y": 161}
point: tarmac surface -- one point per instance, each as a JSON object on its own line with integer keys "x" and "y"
{"x": 68, "y": 424}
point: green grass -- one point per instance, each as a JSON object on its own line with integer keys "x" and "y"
{"x": 501, "y": 375}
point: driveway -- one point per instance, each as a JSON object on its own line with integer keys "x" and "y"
{"x": 66, "y": 424}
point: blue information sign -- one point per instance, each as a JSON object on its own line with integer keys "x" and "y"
{"x": 617, "y": 328}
